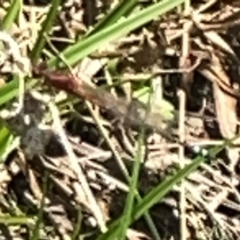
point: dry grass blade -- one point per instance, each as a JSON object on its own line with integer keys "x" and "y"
{"x": 226, "y": 106}
{"x": 215, "y": 38}
{"x": 78, "y": 170}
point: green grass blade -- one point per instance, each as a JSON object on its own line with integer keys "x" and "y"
{"x": 11, "y": 15}
{"x": 123, "y": 8}
{"x": 16, "y": 220}
{"x": 78, "y": 225}
{"x": 9, "y": 91}
{"x": 39, "y": 223}
{"x": 162, "y": 189}
{"x": 159, "y": 192}
{"x": 46, "y": 28}
{"x": 127, "y": 215}
{"x": 83, "y": 48}
{"x": 5, "y": 140}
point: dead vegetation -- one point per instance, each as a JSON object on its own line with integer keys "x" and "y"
{"x": 72, "y": 174}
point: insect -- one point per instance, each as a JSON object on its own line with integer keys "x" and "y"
{"x": 135, "y": 113}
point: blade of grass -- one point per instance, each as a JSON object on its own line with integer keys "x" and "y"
{"x": 46, "y": 28}
{"x": 124, "y": 7}
{"x": 17, "y": 220}
{"x": 5, "y": 140}
{"x": 77, "y": 225}
{"x": 10, "y": 90}
{"x": 11, "y": 14}
{"x": 38, "y": 225}
{"x": 12, "y": 143}
{"x": 161, "y": 190}
{"x": 127, "y": 214}
{"x": 82, "y": 48}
